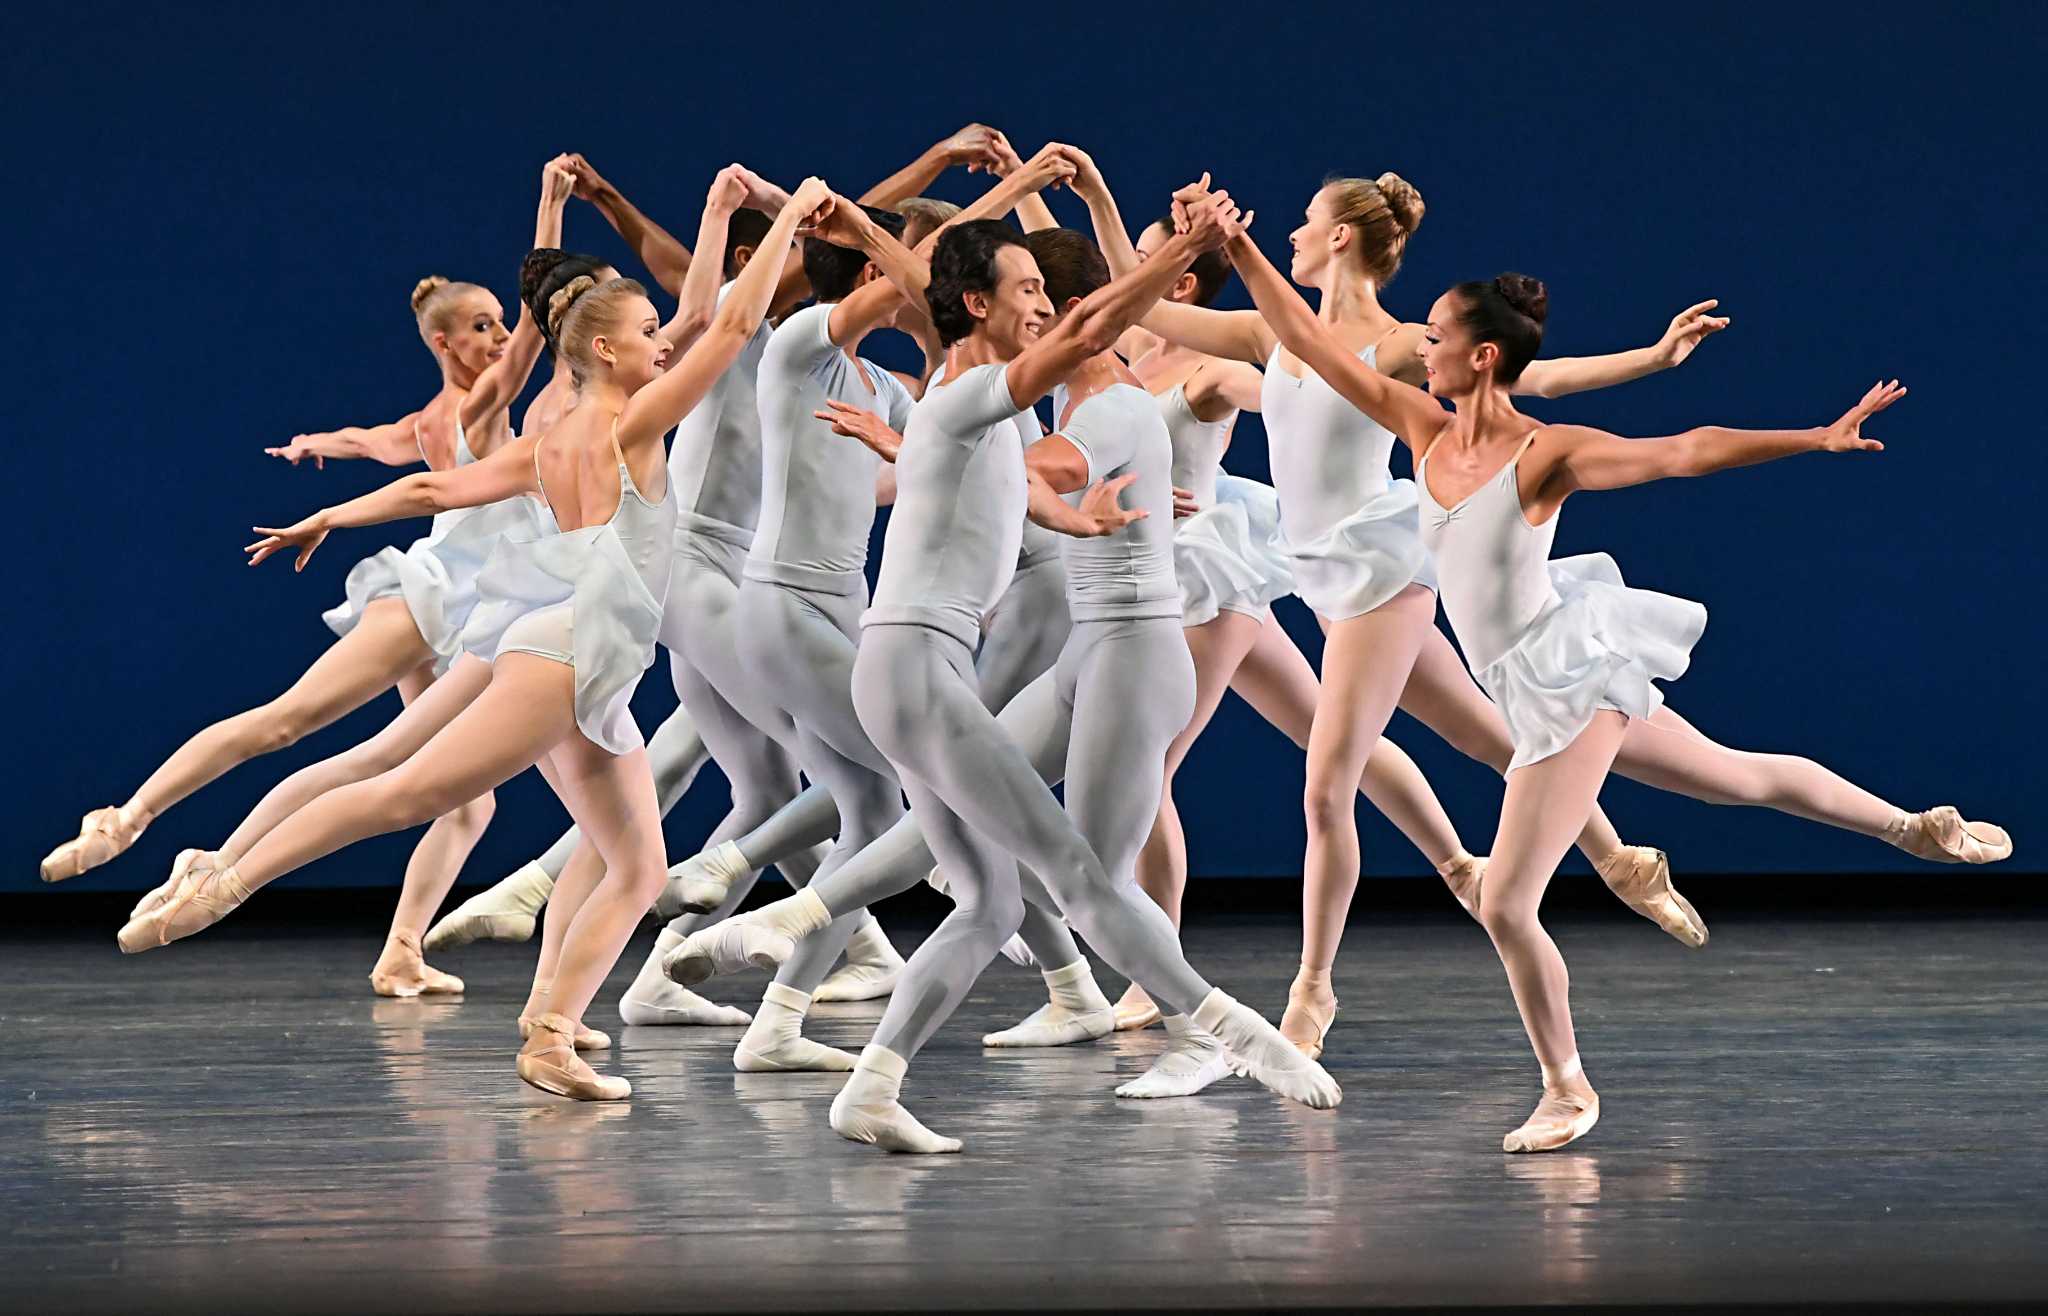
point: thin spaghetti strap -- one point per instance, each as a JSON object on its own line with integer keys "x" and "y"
{"x": 1525, "y": 445}
{"x": 1398, "y": 327}
{"x": 539, "y": 483}
{"x": 617, "y": 451}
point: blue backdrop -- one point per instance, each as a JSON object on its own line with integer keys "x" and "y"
{"x": 218, "y": 218}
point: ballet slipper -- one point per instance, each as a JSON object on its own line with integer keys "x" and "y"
{"x": 728, "y": 947}
{"x": 549, "y": 1062}
{"x": 1260, "y": 1053}
{"x": 508, "y": 911}
{"x": 402, "y": 970}
{"x": 1053, "y": 1024}
{"x": 663, "y": 1004}
{"x": 1192, "y": 1061}
{"x": 204, "y": 895}
{"x": 1943, "y": 836}
{"x": 1641, "y": 876}
{"x": 867, "y": 1110}
{"x": 586, "y": 1039}
{"x": 700, "y": 884}
{"x": 1464, "y": 877}
{"x": 1305, "y": 1013}
{"x": 1559, "y": 1119}
{"x": 1135, "y": 1010}
{"x": 103, "y": 834}
{"x": 775, "y": 1044}
{"x": 871, "y": 969}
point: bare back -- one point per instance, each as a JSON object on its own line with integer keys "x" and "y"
{"x": 578, "y": 469}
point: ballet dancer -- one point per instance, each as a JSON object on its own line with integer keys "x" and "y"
{"x": 404, "y": 609}
{"x": 962, "y": 489}
{"x": 571, "y": 620}
{"x": 1567, "y": 651}
{"x": 1359, "y": 564}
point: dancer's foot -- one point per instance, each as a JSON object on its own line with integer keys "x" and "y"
{"x": 1943, "y": 836}
{"x": 1563, "y": 1116}
{"x": 586, "y": 1039}
{"x": 867, "y": 1110}
{"x": 1464, "y": 875}
{"x": 1311, "y": 1009}
{"x": 549, "y": 1062}
{"x": 1259, "y": 1052}
{"x": 871, "y": 968}
{"x": 1191, "y": 1061}
{"x": 776, "y": 1044}
{"x": 1135, "y": 1010}
{"x": 728, "y": 947}
{"x": 654, "y": 1001}
{"x": 1641, "y": 876}
{"x": 200, "y": 896}
{"x": 103, "y": 834}
{"x": 1077, "y": 1012}
{"x": 508, "y": 911}
{"x": 402, "y": 970}
{"x": 700, "y": 884}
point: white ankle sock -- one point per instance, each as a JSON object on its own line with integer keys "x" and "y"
{"x": 866, "y": 1109}
{"x": 796, "y": 916}
{"x": 1073, "y": 988}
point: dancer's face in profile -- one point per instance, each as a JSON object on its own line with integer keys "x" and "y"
{"x": 1016, "y": 311}
{"x": 1314, "y": 242}
{"x": 635, "y": 347}
{"x": 476, "y": 333}
{"x": 1151, "y": 240}
{"x": 1450, "y": 359}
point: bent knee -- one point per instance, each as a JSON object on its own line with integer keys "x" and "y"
{"x": 1327, "y": 805}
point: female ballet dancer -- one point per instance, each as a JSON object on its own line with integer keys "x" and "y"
{"x": 403, "y": 611}
{"x": 571, "y": 620}
{"x": 1359, "y": 564}
{"x": 1566, "y": 650}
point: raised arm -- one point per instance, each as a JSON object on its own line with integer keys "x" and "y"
{"x": 665, "y": 258}
{"x": 1095, "y": 324}
{"x": 1032, "y": 212}
{"x": 1408, "y": 411}
{"x": 1221, "y": 387}
{"x": 1102, "y": 212}
{"x": 1594, "y": 459}
{"x": 501, "y": 382}
{"x": 1576, "y": 374}
{"x": 506, "y": 473}
{"x": 973, "y": 146}
{"x": 697, "y": 300}
{"x": 394, "y": 444}
{"x": 655, "y": 409}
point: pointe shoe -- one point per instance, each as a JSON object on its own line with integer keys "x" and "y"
{"x": 586, "y": 1039}
{"x": 204, "y": 895}
{"x": 1943, "y": 836}
{"x": 1464, "y": 878}
{"x": 549, "y": 1062}
{"x": 729, "y": 947}
{"x": 402, "y": 970}
{"x": 1300, "y": 1006}
{"x": 181, "y": 865}
{"x": 700, "y": 884}
{"x": 1640, "y": 876}
{"x": 103, "y": 834}
{"x": 1558, "y": 1120}
{"x": 1135, "y": 1010}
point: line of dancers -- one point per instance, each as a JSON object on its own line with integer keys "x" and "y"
{"x": 1055, "y": 602}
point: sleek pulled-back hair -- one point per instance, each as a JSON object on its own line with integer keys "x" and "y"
{"x": 579, "y": 311}
{"x": 833, "y": 271}
{"x": 434, "y": 302}
{"x": 544, "y": 272}
{"x": 1508, "y": 312}
{"x": 1070, "y": 261}
{"x": 1211, "y": 269}
{"x": 964, "y": 261}
{"x": 1384, "y": 212}
{"x": 921, "y": 215}
{"x": 746, "y": 228}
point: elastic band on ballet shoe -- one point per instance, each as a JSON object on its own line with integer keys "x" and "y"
{"x": 555, "y": 1067}
{"x": 1464, "y": 874}
{"x": 1640, "y": 877}
{"x": 103, "y": 835}
{"x": 203, "y": 898}
{"x": 1942, "y": 836}
{"x": 586, "y": 1039}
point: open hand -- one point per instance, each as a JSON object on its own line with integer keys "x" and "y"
{"x": 305, "y": 536}
{"x": 1184, "y": 504}
{"x": 860, "y": 423}
{"x": 1846, "y": 434}
{"x": 1688, "y": 327}
{"x": 296, "y": 451}
{"x": 1100, "y": 506}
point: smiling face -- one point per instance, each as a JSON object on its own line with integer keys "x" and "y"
{"x": 472, "y": 332}
{"x": 1455, "y": 364}
{"x": 1016, "y": 311}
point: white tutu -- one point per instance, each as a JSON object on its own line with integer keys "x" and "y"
{"x": 1229, "y": 556}
{"x": 1365, "y": 559}
{"x": 1599, "y": 645}
{"x": 437, "y": 574}
{"x": 613, "y": 620}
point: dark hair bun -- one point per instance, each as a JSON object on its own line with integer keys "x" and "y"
{"x": 1525, "y": 294}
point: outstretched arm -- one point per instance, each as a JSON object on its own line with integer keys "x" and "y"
{"x": 973, "y": 146}
{"x": 697, "y": 300}
{"x": 665, "y": 258}
{"x": 1032, "y": 212}
{"x": 1116, "y": 246}
{"x": 1593, "y": 459}
{"x": 655, "y": 409}
{"x": 507, "y": 472}
{"x": 393, "y": 444}
{"x": 1576, "y": 374}
{"x": 503, "y": 381}
{"x": 1403, "y": 408}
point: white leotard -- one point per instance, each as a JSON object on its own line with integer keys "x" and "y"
{"x": 1550, "y": 641}
{"x": 1198, "y": 444}
{"x": 1229, "y": 556}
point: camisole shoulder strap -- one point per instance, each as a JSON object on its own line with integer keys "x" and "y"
{"x": 1531, "y": 438}
{"x": 539, "y": 483}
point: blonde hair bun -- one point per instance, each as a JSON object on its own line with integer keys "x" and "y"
{"x": 425, "y": 289}
{"x": 565, "y": 297}
{"x": 1402, "y": 200}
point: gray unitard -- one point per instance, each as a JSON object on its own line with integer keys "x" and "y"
{"x": 977, "y": 795}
